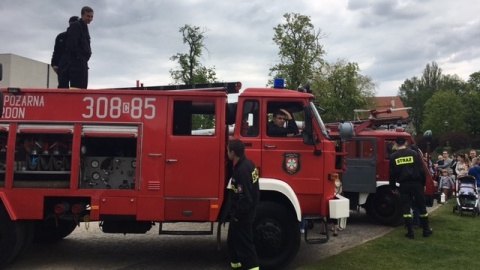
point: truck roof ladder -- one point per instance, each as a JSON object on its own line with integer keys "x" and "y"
{"x": 228, "y": 87}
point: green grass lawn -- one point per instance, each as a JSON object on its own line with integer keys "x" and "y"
{"x": 455, "y": 244}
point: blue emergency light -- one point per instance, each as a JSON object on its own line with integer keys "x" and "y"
{"x": 279, "y": 83}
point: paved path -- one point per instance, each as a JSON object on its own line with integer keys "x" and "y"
{"x": 92, "y": 249}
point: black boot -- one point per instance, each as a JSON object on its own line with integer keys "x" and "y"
{"x": 410, "y": 231}
{"x": 427, "y": 231}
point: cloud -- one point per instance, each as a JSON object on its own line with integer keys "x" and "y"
{"x": 133, "y": 40}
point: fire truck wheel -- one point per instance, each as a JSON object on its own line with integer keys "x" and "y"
{"x": 47, "y": 231}
{"x": 276, "y": 235}
{"x": 384, "y": 207}
{"x": 12, "y": 237}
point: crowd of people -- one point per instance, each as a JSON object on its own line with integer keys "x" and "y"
{"x": 449, "y": 168}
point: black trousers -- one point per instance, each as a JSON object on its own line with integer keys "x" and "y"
{"x": 240, "y": 244}
{"x": 413, "y": 193}
{"x": 73, "y": 73}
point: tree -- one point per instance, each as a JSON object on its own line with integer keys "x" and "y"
{"x": 300, "y": 50}
{"x": 191, "y": 70}
{"x": 444, "y": 113}
{"x": 474, "y": 81}
{"x": 416, "y": 92}
{"x": 340, "y": 88}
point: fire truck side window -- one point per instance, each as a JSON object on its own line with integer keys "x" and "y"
{"x": 193, "y": 118}
{"x": 296, "y": 111}
{"x": 250, "y": 123}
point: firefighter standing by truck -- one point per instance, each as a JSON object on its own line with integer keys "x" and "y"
{"x": 245, "y": 194}
{"x": 406, "y": 169}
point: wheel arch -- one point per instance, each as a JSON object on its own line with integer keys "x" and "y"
{"x": 6, "y": 203}
{"x": 279, "y": 191}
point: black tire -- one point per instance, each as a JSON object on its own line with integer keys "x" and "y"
{"x": 12, "y": 237}
{"x": 276, "y": 234}
{"x": 48, "y": 231}
{"x": 385, "y": 207}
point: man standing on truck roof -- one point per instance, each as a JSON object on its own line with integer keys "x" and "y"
{"x": 59, "y": 49}
{"x": 407, "y": 169}
{"x": 74, "y": 65}
{"x": 245, "y": 195}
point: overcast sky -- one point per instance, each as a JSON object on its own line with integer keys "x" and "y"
{"x": 391, "y": 40}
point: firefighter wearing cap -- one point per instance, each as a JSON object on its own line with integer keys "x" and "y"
{"x": 407, "y": 169}
{"x": 245, "y": 195}
{"x": 58, "y": 50}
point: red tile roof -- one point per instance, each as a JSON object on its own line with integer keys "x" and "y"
{"x": 393, "y": 102}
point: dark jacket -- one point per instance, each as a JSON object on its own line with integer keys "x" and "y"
{"x": 59, "y": 48}
{"x": 276, "y": 131}
{"x": 78, "y": 41}
{"x": 406, "y": 166}
{"x": 245, "y": 189}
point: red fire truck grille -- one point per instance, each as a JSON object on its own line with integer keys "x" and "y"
{"x": 153, "y": 185}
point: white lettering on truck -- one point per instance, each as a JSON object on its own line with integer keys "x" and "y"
{"x": 103, "y": 107}
{"x": 14, "y": 106}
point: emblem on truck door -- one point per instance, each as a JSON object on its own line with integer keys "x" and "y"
{"x": 291, "y": 163}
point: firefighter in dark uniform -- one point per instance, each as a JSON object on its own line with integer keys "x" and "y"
{"x": 74, "y": 65}
{"x": 59, "y": 49}
{"x": 407, "y": 169}
{"x": 245, "y": 194}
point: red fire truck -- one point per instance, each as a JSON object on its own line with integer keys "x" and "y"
{"x": 134, "y": 158}
{"x": 366, "y": 181}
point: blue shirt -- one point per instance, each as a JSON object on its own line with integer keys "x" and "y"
{"x": 475, "y": 172}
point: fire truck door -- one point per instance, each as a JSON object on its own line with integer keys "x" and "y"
{"x": 361, "y": 166}
{"x": 193, "y": 155}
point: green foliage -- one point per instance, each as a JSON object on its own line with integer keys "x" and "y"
{"x": 444, "y": 113}
{"x": 191, "y": 71}
{"x": 452, "y": 245}
{"x": 455, "y": 141}
{"x": 415, "y": 92}
{"x": 300, "y": 51}
{"x": 474, "y": 81}
{"x": 340, "y": 88}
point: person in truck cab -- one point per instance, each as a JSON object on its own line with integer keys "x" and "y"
{"x": 276, "y": 127}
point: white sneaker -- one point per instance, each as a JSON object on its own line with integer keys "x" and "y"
{"x": 302, "y": 231}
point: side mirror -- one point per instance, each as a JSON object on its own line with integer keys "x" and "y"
{"x": 346, "y": 131}
{"x": 428, "y": 136}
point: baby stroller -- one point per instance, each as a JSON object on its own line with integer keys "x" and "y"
{"x": 467, "y": 196}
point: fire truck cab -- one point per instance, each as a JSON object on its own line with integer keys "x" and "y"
{"x": 134, "y": 158}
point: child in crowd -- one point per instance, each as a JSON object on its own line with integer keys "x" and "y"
{"x": 446, "y": 183}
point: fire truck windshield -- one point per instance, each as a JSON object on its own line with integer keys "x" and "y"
{"x": 319, "y": 120}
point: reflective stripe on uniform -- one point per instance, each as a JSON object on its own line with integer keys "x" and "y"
{"x": 407, "y": 216}
{"x": 255, "y": 268}
{"x": 404, "y": 160}
{"x": 424, "y": 215}
{"x": 237, "y": 265}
